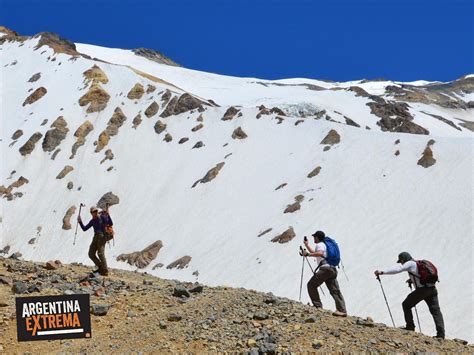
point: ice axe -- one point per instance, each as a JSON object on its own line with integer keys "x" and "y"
{"x": 77, "y": 223}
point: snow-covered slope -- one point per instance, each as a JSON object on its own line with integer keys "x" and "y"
{"x": 370, "y": 194}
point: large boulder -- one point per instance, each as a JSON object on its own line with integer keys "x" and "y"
{"x": 181, "y": 263}
{"x": 143, "y": 258}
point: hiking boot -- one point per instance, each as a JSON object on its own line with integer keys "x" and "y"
{"x": 339, "y": 314}
{"x": 411, "y": 329}
{"x": 440, "y": 337}
{"x": 104, "y": 273}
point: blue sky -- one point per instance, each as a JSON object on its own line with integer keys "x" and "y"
{"x": 333, "y": 39}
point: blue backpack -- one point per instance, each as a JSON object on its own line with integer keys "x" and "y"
{"x": 333, "y": 254}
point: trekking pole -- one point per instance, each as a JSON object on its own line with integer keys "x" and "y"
{"x": 344, "y": 270}
{"x": 321, "y": 287}
{"x": 389, "y": 311}
{"x": 77, "y": 223}
{"x": 416, "y": 311}
{"x": 302, "y": 271}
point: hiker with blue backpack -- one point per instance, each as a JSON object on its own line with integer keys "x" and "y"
{"x": 327, "y": 256}
{"x": 424, "y": 275}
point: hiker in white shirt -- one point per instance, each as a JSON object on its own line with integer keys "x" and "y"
{"x": 423, "y": 292}
{"x": 325, "y": 274}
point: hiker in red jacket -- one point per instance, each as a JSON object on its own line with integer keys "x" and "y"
{"x": 423, "y": 292}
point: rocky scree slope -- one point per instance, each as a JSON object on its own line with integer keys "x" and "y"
{"x": 138, "y": 312}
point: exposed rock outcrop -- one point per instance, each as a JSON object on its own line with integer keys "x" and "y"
{"x": 143, "y": 258}
{"x": 294, "y": 206}
{"x": 314, "y": 172}
{"x": 210, "y": 175}
{"x": 56, "y": 42}
{"x": 109, "y": 155}
{"x": 30, "y": 144}
{"x": 159, "y": 127}
{"x": 18, "y": 183}
{"x": 197, "y": 127}
{"x": 67, "y": 217}
{"x": 442, "y": 119}
{"x": 56, "y": 135}
{"x": 150, "y": 88}
{"x": 34, "y": 77}
{"x": 239, "y": 133}
{"x": 427, "y": 158}
{"x": 198, "y": 144}
{"x": 183, "y": 140}
{"x": 166, "y": 96}
{"x": 81, "y": 133}
{"x": 136, "y": 92}
{"x": 230, "y": 113}
{"x": 168, "y": 138}
{"x": 17, "y": 134}
{"x": 152, "y": 109}
{"x": 95, "y": 75}
{"x": 184, "y": 103}
{"x": 331, "y": 138}
{"x": 268, "y": 230}
{"x": 109, "y": 199}
{"x": 181, "y": 263}
{"x": 97, "y": 99}
{"x": 115, "y": 122}
{"x": 136, "y": 121}
{"x": 66, "y": 170}
{"x": 285, "y": 237}
{"x": 395, "y": 117}
{"x": 35, "y": 96}
{"x": 155, "y": 56}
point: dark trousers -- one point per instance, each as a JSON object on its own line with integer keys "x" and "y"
{"x": 430, "y": 296}
{"x": 329, "y": 276}
{"x": 98, "y": 246}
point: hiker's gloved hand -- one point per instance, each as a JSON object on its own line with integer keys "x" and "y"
{"x": 305, "y": 253}
{"x": 378, "y": 272}
{"x": 306, "y": 242}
